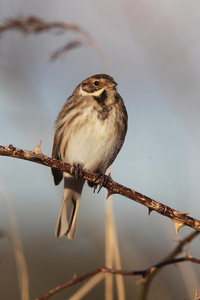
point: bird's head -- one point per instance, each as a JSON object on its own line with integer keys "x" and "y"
{"x": 95, "y": 85}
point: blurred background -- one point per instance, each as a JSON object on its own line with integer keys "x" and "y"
{"x": 153, "y": 52}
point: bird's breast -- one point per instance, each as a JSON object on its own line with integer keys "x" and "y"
{"x": 92, "y": 145}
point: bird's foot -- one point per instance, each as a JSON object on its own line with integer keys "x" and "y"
{"x": 77, "y": 171}
{"x": 103, "y": 183}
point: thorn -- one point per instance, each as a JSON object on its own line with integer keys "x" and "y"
{"x": 189, "y": 255}
{"x": 149, "y": 210}
{"x": 109, "y": 175}
{"x": 180, "y": 215}
{"x": 109, "y": 194}
{"x": 11, "y": 147}
{"x": 177, "y": 225}
{"x": 196, "y": 294}
{"x": 37, "y": 149}
{"x": 94, "y": 188}
{"x": 152, "y": 269}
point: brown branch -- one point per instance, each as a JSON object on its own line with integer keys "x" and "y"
{"x": 28, "y": 25}
{"x": 144, "y": 273}
{"x": 151, "y": 272}
{"x": 68, "y": 283}
{"x": 179, "y": 219}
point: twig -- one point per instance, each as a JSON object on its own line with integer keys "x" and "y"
{"x": 179, "y": 219}
{"x": 68, "y": 283}
{"x": 150, "y": 274}
{"x": 87, "y": 286}
{"x": 144, "y": 273}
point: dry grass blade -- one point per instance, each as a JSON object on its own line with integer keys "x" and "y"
{"x": 64, "y": 49}
{"x": 109, "y": 248}
{"x": 33, "y": 24}
{"x": 118, "y": 265}
{"x": 21, "y": 263}
{"x": 15, "y": 239}
{"x": 28, "y": 25}
{"x": 112, "y": 254}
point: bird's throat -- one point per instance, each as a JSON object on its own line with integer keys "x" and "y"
{"x": 101, "y": 99}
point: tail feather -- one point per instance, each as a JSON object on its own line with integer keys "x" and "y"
{"x": 67, "y": 219}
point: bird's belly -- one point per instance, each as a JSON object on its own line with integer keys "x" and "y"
{"x": 93, "y": 146}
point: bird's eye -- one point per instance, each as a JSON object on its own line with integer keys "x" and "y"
{"x": 96, "y": 83}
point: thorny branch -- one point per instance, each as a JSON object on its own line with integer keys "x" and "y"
{"x": 146, "y": 274}
{"x": 179, "y": 219}
{"x": 28, "y": 25}
{"x": 170, "y": 257}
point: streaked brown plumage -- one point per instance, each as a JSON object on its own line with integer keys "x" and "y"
{"x": 90, "y": 131}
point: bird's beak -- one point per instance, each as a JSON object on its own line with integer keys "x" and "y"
{"x": 112, "y": 84}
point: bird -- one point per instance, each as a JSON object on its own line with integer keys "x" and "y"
{"x": 89, "y": 132}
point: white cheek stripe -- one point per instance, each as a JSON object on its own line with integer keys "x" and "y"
{"x": 96, "y": 93}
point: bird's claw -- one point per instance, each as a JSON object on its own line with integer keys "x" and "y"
{"x": 103, "y": 183}
{"x": 77, "y": 171}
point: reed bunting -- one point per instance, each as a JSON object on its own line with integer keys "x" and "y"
{"x": 90, "y": 131}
